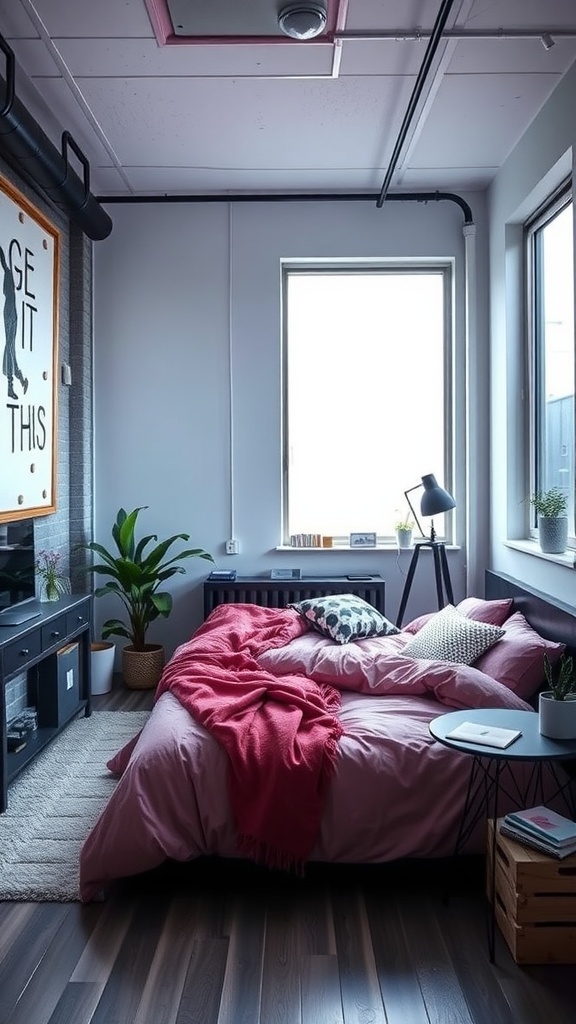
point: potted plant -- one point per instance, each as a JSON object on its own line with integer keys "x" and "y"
{"x": 550, "y": 507}
{"x": 52, "y": 582}
{"x": 404, "y": 526}
{"x": 136, "y": 571}
{"x": 102, "y": 655}
{"x": 557, "y": 704}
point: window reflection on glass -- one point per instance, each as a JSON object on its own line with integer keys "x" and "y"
{"x": 553, "y": 315}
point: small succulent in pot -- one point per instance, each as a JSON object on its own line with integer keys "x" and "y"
{"x": 562, "y": 683}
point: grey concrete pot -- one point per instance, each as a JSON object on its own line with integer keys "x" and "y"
{"x": 557, "y": 718}
{"x": 553, "y": 534}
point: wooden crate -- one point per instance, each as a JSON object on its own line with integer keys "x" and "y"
{"x": 535, "y": 901}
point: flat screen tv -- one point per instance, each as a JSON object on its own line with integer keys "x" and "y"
{"x": 17, "y": 570}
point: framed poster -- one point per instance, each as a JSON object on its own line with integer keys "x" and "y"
{"x": 29, "y": 272}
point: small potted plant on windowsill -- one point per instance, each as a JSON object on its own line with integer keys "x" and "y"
{"x": 557, "y": 704}
{"x": 550, "y": 507}
{"x": 404, "y": 526}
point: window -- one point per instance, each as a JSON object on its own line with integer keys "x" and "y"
{"x": 550, "y": 290}
{"x": 367, "y": 394}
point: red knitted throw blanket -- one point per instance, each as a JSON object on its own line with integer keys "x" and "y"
{"x": 280, "y": 732}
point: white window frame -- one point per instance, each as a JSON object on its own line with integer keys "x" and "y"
{"x": 445, "y": 267}
{"x": 560, "y": 198}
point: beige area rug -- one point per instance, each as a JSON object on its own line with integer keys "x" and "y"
{"x": 53, "y": 804}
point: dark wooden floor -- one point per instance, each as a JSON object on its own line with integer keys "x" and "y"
{"x": 229, "y": 943}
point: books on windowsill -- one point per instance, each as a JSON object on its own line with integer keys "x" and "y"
{"x": 543, "y": 829}
{"x": 484, "y": 735}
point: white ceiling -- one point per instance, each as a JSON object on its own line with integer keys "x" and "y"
{"x": 265, "y": 114}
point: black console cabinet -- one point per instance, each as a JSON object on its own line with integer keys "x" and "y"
{"x": 54, "y": 652}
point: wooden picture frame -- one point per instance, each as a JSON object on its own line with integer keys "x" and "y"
{"x": 30, "y": 275}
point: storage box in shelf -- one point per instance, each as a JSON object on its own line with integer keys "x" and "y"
{"x": 535, "y": 898}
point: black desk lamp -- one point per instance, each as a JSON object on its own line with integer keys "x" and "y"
{"x": 434, "y": 500}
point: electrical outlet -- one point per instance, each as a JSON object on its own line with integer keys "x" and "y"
{"x": 232, "y": 547}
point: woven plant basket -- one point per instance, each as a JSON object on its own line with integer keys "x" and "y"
{"x": 142, "y": 669}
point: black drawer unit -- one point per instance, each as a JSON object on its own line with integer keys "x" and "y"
{"x": 54, "y": 632}
{"x": 17, "y": 656}
{"x": 53, "y": 651}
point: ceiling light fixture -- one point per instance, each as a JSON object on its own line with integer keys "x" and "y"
{"x": 547, "y": 41}
{"x": 302, "y": 20}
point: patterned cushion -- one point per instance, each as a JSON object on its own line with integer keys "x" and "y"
{"x": 344, "y": 617}
{"x": 451, "y": 636}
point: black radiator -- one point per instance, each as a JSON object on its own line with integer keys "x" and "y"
{"x": 279, "y": 593}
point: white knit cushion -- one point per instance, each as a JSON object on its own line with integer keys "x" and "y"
{"x": 451, "y": 636}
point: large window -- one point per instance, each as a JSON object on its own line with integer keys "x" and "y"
{"x": 367, "y": 394}
{"x": 550, "y": 278}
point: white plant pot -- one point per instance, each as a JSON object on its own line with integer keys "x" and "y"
{"x": 404, "y": 538}
{"x": 101, "y": 666}
{"x": 557, "y": 718}
{"x": 553, "y": 534}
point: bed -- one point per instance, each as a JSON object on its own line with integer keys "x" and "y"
{"x": 301, "y": 734}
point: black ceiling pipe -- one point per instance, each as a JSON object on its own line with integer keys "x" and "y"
{"x": 293, "y": 197}
{"x": 433, "y": 45}
{"x": 29, "y": 151}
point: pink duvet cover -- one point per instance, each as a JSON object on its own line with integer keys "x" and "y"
{"x": 396, "y": 792}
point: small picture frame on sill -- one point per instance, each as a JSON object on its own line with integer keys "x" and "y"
{"x": 362, "y": 540}
{"x": 285, "y": 574}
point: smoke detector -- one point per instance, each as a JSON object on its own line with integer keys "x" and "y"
{"x": 302, "y": 20}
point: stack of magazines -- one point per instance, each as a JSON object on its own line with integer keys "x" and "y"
{"x": 543, "y": 829}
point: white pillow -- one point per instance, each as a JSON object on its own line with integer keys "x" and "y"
{"x": 451, "y": 636}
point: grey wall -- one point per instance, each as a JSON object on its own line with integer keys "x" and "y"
{"x": 542, "y": 159}
{"x": 187, "y": 346}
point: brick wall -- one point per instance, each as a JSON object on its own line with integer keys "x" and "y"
{"x": 71, "y": 524}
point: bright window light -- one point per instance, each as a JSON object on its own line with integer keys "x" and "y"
{"x": 550, "y": 240}
{"x": 366, "y": 352}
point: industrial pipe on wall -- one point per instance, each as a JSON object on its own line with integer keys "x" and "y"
{"x": 26, "y": 147}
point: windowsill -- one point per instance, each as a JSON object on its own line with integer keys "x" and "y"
{"x": 346, "y": 547}
{"x": 531, "y": 547}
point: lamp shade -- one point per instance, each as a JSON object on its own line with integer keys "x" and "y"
{"x": 434, "y": 499}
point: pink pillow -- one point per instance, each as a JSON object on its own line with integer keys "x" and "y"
{"x": 320, "y": 658}
{"x": 494, "y": 613}
{"x": 416, "y": 624}
{"x": 517, "y": 660}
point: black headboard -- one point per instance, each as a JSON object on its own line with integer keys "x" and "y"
{"x": 551, "y": 618}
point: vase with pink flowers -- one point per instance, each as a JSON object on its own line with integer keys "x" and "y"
{"x": 52, "y": 582}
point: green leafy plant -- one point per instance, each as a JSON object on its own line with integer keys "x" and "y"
{"x": 549, "y": 504}
{"x": 404, "y": 522}
{"x": 136, "y": 572}
{"x": 562, "y": 682}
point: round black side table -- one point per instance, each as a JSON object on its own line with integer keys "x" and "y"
{"x": 491, "y": 773}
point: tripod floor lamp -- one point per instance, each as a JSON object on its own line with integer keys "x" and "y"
{"x": 434, "y": 501}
